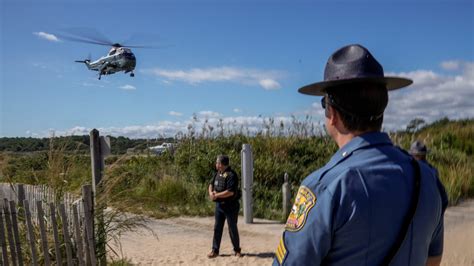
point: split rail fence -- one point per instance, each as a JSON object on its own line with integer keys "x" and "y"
{"x": 38, "y": 229}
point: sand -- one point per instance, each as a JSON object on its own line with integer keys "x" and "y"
{"x": 187, "y": 240}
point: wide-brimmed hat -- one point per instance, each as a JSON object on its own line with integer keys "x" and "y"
{"x": 418, "y": 148}
{"x": 350, "y": 64}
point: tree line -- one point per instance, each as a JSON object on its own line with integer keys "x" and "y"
{"x": 77, "y": 144}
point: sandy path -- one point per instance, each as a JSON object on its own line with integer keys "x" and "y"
{"x": 187, "y": 240}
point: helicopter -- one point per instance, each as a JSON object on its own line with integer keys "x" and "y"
{"x": 119, "y": 58}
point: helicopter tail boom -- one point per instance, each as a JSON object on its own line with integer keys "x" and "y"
{"x": 86, "y": 62}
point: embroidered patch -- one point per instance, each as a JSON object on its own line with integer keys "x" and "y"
{"x": 281, "y": 251}
{"x": 305, "y": 200}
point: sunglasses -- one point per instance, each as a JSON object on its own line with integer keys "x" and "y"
{"x": 339, "y": 108}
{"x": 323, "y": 102}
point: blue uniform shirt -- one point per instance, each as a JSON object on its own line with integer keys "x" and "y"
{"x": 350, "y": 211}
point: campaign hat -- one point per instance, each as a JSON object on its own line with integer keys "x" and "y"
{"x": 350, "y": 64}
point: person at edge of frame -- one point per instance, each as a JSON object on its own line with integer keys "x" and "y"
{"x": 352, "y": 211}
{"x": 419, "y": 151}
{"x": 224, "y": 190}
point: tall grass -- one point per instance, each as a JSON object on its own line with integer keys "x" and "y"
{"x": 175, "y": 183}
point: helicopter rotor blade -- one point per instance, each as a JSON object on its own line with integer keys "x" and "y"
{"x": 142, "y": 38}
{"x": 85, "y": 35}
{"x": 77, "y": 39}
{"x": 147, "y": 46}
{"x": 92, "y": 36}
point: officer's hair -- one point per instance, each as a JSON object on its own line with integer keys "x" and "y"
{"x": 223, "y": 159}
{"x": 360, "y": 105}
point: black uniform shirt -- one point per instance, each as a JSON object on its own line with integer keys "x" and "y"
{"x": 228, "y": 180}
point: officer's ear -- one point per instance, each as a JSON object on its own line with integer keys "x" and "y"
{"x": 332, "y": 115}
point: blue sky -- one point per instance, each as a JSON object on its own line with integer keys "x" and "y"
{"x": 238, "y": 61}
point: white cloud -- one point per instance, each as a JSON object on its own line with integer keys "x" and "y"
{"x": 208, "y": 114}
{"x": 173, "y": 113}
{"x": 40, "y": 65}
{"x": 269, "y": 84}
{"x": 87, "y": 84}
{"x": 451, "y": 65}
{"x": 47, "y": 36}
{"x": 237, "y": 110}
{"x": 265, "y": 79}
{"x": 128, "y": 87}
{"x": 211, "y": 125}
{"x": 432, "y": 97}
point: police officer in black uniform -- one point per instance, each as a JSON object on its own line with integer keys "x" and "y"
{"x": 223, "y": 189}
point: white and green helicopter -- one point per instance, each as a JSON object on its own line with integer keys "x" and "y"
{"x": 119, "y": 58}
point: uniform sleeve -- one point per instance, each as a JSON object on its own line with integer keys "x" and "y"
{"x": 307, "y": 236}
{"x": 437, "y": 243}
{"x": 211, "y": 182}
{"x": 232, "y": 182}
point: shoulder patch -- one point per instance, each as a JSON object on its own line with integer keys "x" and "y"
{"x": 304, "y": 201}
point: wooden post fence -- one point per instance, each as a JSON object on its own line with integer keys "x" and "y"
{"x": 22, "y": 220}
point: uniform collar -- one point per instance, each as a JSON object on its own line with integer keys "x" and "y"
{"x": 359, "y": 142}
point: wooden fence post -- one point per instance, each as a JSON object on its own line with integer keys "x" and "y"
{"x": 67, "y": 238}
{"x": 8, "y": 223}
{"x": 77, "y": 233}
{"x": 89, "y": 220}
{"x": 3, "y": 241}
{"x": 21, "y": 194}
{"x": 100, "y": 148}
{"x": 44, "y": 237}
{"x": 54, "y": 224}
{"x": 16, "y": 233}
{"x": 31, "y": 235}
{"x": 96, "y": 158}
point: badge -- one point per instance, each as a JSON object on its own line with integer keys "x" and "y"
{"x": 305, "y": 200}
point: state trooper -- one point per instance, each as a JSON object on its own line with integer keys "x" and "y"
{"x": 224, "y": 190}
{"x": 372, "y": 203}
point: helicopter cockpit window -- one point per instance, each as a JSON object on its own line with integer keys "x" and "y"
{"x": 112, "y": 52}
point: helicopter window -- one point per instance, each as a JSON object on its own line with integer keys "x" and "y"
{"x": 112, "y": 52}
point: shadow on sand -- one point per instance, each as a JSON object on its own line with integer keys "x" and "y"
{"x": 264, "y": 255}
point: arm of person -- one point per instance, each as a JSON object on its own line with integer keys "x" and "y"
{"x": 210, "y": 190}
{"x": 435, "y": 251}
{"x": 307, "y": 236}
{"x": 224, "y": 194}
{"x": 434, "y": 261}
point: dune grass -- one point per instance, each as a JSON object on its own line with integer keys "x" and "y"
{"x": 175, "y": 183}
